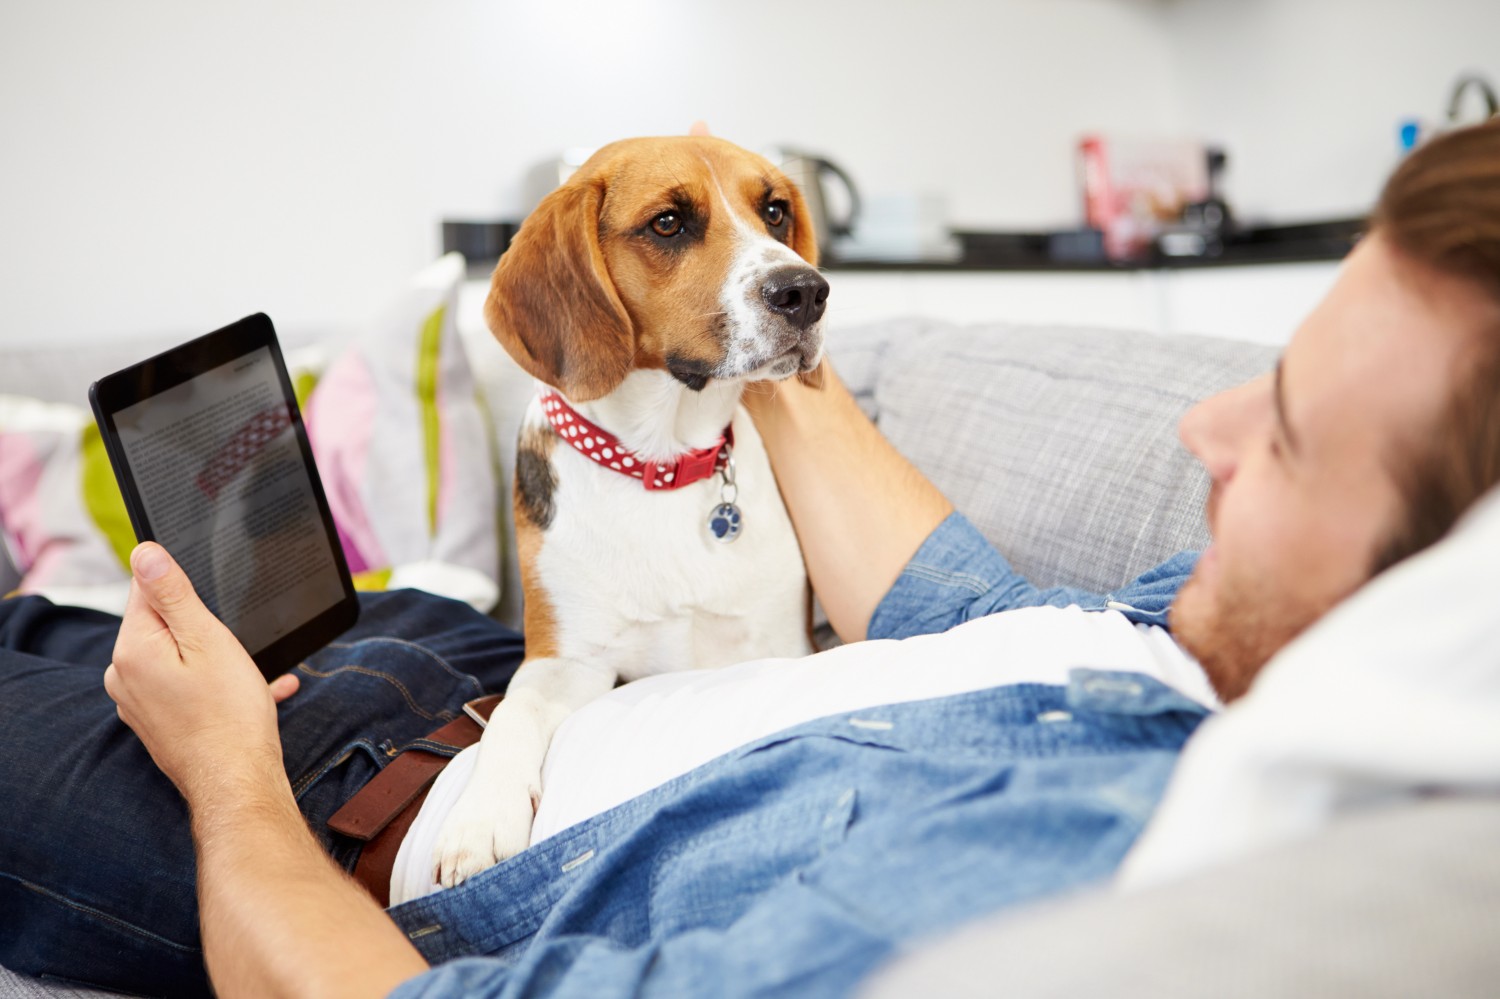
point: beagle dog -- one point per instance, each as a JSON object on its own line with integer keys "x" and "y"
{"x": 642, "y": 295}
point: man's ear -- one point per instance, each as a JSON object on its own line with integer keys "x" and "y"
{"x": 552, "y": 304}
{"x": 804, "y": 239}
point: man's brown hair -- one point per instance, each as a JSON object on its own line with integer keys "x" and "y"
{"x": 1441, "y": 210}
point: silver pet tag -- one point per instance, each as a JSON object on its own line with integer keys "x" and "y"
{"x": 725, "y": 520}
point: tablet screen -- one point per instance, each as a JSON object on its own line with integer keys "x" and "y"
{"x": 220, "y": 475}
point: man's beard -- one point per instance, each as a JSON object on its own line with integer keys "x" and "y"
{"x": 1234, "y": 631}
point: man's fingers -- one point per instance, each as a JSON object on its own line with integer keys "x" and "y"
{"x": 135, "y": 601}
{"x": 699, "y": 128}
{"x": 114, "y": 687}
{"x": 141, "y": 628}
{"x": 168, "y": 590}
{"x": 284, "y": 686}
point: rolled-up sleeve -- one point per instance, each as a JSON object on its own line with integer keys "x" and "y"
{"x": 957, "y": 576}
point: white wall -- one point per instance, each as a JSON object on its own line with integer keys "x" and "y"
{"x": 166, "y": 167}
{"x": 1306, "y": 94}
{"x": 172, "y": 166}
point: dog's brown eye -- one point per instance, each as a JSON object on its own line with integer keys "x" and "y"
{"x": 666, "y": 224}
{"x": 776, "y": 213}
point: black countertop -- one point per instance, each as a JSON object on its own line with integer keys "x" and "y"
{"x": 1037, "y": 252}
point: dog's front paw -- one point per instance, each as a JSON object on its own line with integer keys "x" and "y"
{"x": 485, "y": 827}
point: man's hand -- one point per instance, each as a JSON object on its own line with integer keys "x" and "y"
{"x": 278, "y": 917}
{"x": 186, "y": 685}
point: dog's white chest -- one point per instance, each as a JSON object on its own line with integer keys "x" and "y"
{"x": 637, "y": 579}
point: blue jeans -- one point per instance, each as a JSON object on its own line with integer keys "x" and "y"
{"x": 97, "y": 876}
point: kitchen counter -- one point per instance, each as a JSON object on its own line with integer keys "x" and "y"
{"x": 1072, "y": 252}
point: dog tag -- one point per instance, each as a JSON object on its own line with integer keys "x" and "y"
{"x": 725, "y": 522}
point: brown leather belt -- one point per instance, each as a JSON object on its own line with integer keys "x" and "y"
{"x": 383, "y": 810}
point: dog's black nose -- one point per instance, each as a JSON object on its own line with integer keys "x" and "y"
{"x": 798, "y": 293}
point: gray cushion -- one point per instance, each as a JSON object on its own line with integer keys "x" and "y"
{"x": 1061, "y": 444}
{"x": 14, "y": 986}
{"x": 1395, "y": 902}
{"x": 859, "y": 353}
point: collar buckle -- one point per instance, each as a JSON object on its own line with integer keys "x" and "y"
{"x": 689, "y": 467}
{"x": 591, "y": 441}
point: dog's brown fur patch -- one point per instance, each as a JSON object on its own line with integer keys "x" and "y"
{"x": 536, "y": 479}
{"x": 539, "y": 620}
{"x": 587, "y": 292}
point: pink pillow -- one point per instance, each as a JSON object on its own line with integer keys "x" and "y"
{"x": 398, "y": 433}
{"x": 403, "y": 449}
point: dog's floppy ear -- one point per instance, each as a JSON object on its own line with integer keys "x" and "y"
{"x": 552, "y": 304}
{"x": 804, "y": 239}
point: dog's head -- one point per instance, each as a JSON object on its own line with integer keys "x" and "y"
{"x": 685, "y": 254}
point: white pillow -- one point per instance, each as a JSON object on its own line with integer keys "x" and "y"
{"x": 65, "y": 529}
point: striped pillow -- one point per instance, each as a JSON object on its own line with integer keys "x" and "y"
{"x": 398, "y": 433}
{"x": 61, "y": 516}
{"x": 404, "y": 451}
{"x": 63, "y": 525}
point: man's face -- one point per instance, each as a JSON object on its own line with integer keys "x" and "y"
{"x": 1304, "y": 462}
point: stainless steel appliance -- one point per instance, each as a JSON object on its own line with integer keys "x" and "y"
{"x": 818, "y": 178}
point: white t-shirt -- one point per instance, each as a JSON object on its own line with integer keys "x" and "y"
{"x": 645, "y": 733}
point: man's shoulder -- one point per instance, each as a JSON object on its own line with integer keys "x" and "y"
{"x": 957, "y": 575}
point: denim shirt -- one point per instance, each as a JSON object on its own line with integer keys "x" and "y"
{"x": 957, "y": 576}
{"x": 797, "y": 863}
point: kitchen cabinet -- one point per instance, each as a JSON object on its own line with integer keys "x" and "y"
{"x": 1263, "y": 303}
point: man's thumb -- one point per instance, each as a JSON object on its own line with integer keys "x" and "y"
{"x": 165, "y": 586}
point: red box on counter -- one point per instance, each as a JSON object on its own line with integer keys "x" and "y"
{"x": 1133, "y": 187}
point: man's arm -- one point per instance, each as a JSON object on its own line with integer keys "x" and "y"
{"x": 860, "y": 509}
{"x": 278, "y": 917}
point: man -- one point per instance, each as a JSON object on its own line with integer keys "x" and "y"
{"x": 800, "y": 861}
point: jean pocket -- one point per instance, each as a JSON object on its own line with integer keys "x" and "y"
{"x": 324, "y": 789}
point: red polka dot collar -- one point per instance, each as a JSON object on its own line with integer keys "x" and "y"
{"x": 605, "y": 448}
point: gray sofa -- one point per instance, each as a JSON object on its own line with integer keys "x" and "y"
{"x": 1060, "y": 444}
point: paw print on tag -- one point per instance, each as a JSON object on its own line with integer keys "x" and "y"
{"x": 725, "y": 522}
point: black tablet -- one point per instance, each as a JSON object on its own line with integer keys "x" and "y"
{"x": 208, "y": 446}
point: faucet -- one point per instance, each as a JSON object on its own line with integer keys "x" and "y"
{"x": 1486, "y": 93}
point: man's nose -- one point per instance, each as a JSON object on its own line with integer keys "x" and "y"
{"x": 1217, "y": 429}
{"x": 797, "y": 293}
